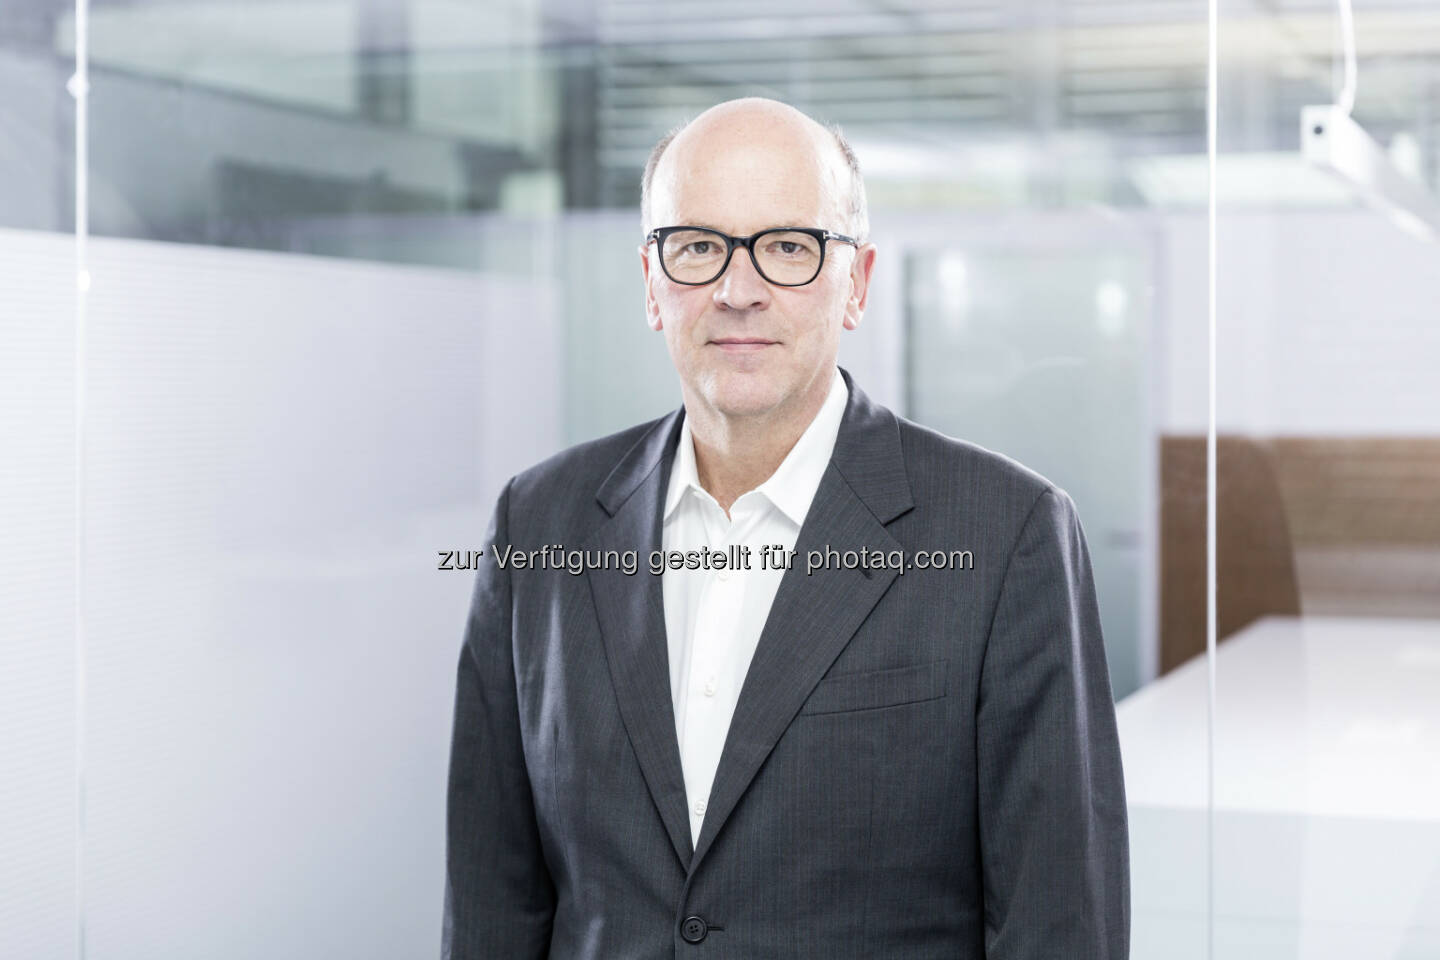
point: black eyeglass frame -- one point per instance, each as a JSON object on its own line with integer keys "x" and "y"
{"x": 659, "y": 234}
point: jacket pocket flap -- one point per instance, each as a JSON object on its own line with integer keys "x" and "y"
{"x": 878, "y": 688}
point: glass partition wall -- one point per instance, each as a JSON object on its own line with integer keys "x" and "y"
{"x": 1327, "y": 671}
{"x": 343, "y": 267}
{"x": 38, "y": 910}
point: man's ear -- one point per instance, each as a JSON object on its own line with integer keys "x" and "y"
{"x": 652, "y": 309}
{"x": 860, "y": 272}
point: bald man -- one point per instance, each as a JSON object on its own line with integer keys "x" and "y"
{"x": 780, "y": 674}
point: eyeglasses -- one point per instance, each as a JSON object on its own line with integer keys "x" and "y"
{"x": 785, "y": 256}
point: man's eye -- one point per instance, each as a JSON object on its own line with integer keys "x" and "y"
{"x": 700, "y": 248}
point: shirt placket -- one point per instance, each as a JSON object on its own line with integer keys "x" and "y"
{"x": 708, "y": 700}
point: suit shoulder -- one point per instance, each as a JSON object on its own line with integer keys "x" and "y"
{"x": 574, "y": 474}
{"x": 943, "y": 465}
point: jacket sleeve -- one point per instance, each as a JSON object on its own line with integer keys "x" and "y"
{"x": 499, "y": 898}
{"x": 1053, "y": 823}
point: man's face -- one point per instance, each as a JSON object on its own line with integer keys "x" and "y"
{"x": 741, "y": 345}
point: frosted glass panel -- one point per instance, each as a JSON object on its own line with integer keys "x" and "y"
{"x": 37, "y": 596}
{"x": 1040, "y": 354}
{"x": 278, "y": 448}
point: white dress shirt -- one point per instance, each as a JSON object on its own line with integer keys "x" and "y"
{"x": 713, "y": 618}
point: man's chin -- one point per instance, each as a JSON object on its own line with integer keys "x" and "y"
{"x": 744, "y": 396}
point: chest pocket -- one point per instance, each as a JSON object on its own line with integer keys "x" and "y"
{"x": 878, "y": 688}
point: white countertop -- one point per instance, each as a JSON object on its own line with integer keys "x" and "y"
{"x": 1328, "y": 716}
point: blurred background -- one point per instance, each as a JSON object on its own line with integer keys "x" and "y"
{"x": 344, "y": 266}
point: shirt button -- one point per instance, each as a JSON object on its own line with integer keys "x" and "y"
{"x": 724, "y": 574}
{"x": 700, "y": 807}
{"x": 710, "y": 687}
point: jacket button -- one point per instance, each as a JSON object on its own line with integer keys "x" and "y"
{"x": 693, "y": 929}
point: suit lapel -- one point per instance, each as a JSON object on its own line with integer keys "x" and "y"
{"x": 814, "y": 616}
{"x": 631, "y": 612}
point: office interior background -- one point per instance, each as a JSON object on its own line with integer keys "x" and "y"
{"x": 289, "y": 289}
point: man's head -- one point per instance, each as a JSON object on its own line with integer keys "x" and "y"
{"x": 745, "y": 347}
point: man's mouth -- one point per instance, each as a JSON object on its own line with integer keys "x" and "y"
{"x": 742, "y": 344}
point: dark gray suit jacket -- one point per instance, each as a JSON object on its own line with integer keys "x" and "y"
{"x": 921, "y": 764}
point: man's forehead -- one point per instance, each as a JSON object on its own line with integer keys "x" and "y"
{"x": 741, "y": 225}
{"x": 737, "y": 203}
{"x": 745, "y": 219}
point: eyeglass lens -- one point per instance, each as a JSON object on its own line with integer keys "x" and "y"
{"x": 783, "y": 256}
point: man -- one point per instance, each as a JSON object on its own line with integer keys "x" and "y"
{"x": 857, "y": 756}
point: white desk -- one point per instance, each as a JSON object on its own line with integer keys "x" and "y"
{"x": 1327, "y": 795}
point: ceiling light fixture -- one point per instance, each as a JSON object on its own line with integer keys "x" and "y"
{"x": 1332, "y": 141}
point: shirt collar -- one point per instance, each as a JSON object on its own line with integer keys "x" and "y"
{"x": 683, "y": 476}
{"x": 793, "y": 485}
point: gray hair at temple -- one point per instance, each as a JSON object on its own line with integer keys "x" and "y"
{"x": 859, "y": 219}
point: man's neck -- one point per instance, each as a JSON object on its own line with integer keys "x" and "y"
{"x": 734, "y": 455}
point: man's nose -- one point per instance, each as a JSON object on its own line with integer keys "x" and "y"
{"x": 741, "y": 287}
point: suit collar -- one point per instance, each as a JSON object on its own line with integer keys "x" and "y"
{"x": 867, "y": 454}
{"x": 639, "y": 463}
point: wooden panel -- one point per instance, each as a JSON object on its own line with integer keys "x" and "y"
{"x": 1340, "y": 491}
{"x": 1255, "y": 563}
{"x": 1335, "y": 525}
